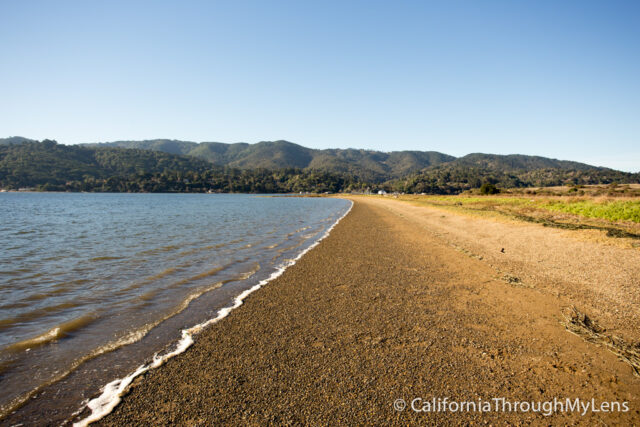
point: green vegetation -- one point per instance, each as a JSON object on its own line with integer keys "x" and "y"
{"x": 610, "y": 210}
{"x": 625, "y": 210}
{"x": 366, "y": 165}
{"x": 462, "y": 175}
{"x": 43, "y": 163}
{"x": 48, "y": 166}
{"x": 489, "y": 188}
{"x": 402, "y": 171}
{"x": 281, "y": 166}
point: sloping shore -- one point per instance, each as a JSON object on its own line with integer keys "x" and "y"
{"x": 383, "y": 310}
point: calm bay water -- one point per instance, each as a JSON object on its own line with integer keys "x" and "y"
{"x": 91, "y": 285}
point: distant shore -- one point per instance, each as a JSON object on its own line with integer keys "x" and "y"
{"x": 383, "y": 310}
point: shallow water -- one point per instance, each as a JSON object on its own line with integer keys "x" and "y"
{"x": 91, "y": 285}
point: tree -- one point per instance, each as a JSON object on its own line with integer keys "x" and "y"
{"x": 489, "y": 188}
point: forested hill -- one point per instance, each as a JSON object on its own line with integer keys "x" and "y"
{"x": 428, "y": 169}
{"x": 39, "y": 163}
{"x": 507, "y": 171}
{"x": 367, "y": 165}
{"x": 517, "y": 162}
{"x": 277, "y": 167}
{"x": 48, "y": 166}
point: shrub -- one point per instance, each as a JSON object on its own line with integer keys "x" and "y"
{"x": 489, "y": 188}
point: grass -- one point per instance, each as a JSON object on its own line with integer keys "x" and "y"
{"x": 616, "y": 217}
{"x": 626, "y": 210}
{"x": 610, "y": 210}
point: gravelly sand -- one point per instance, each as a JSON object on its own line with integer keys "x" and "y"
{"x": 381, "y": 310}
{"x": 602, "y": 280}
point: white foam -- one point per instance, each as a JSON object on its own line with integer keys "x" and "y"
{"x": 112, "y": 392}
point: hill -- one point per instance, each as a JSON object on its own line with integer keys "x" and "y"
{"x": 367, "y": 165}
{"x": 506, "y": 171}
{"x": 48, "y": 165}
{"x": 275, "y": 166}
{"x": 32, "y": 164}
{"x": 517, "y": 162}
{"x": 428, "y": 171}
{"x": 14, "y": 140}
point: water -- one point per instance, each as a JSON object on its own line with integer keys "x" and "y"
{"x": 92, "y": 285}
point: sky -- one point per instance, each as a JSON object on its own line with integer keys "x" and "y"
{"x": 559, "y": 79}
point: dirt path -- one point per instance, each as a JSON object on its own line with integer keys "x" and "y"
{"x": 383, "y": 309}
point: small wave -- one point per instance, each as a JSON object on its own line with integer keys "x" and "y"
{"x": 18, "y": 271}
{"x": 208, "y": 247}
{"x": 14, "y": 305}
{"x": 113, "y": 391}
{"x": 198, "y": 293}
{"x": 58, "y": 289}
{"x": 280, "y": 251}
{"x": 35, "y": 314}
{"x": 53, "y": 334}
{"x": 299, "y": 230}
{"x": 22, "y": 232}
{"x": 163, "y": 273}
{"x": 159, "y": 250}
{"x": 200, "y": 276}
{"x": 37, "y": 297}
{"x": 148, "y": 280}
{"x": 104, "y": 258}
{"x": 148, "y": 296}
{"x": 207, "y": 273}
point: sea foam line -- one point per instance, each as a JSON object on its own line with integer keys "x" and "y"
{"x": 112, "y": 392}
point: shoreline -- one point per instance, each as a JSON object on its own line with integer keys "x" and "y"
{"x": 112, "y": 392}
{"x": 381, "y": 311}
{"x": 66, "y": 393}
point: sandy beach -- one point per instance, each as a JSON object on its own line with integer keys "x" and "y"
{"x": 402, "y": 302}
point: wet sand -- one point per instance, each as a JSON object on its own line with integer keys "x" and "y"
{"x": 383, "y": 309}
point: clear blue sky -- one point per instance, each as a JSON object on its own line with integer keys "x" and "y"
{"x": 553, "y": 78}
